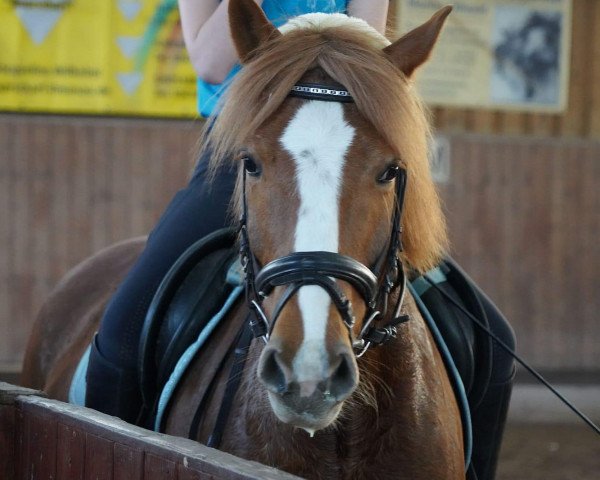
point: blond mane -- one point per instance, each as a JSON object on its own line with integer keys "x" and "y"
{"x": 350, "y": 52}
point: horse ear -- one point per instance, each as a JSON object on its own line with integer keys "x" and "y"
{"x": 412, "y": 50}
{"x": 249, "y": 27}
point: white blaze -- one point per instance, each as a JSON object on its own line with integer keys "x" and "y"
{"x": 317, "y": 138}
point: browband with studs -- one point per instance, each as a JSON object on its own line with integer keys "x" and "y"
{"x": 315, "y": 91}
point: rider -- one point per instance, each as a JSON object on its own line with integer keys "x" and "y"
{"x": 197, "y": 210}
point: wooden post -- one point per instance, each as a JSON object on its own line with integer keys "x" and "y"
{"x": 8, "y": 427}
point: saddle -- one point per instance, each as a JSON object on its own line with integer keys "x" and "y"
{"x": 192, "y": 292}
{"x": 196, "y": 288}
{"x": 470, "y": 348}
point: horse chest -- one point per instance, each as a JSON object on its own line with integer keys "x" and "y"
{"x": 363, "y": 446}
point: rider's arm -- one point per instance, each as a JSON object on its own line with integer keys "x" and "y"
{"x": 205, "y": 27}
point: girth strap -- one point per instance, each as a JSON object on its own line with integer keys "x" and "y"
{"x": 233, "y": 384}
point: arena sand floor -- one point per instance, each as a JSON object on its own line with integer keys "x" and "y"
{"x": 545, "y": 451}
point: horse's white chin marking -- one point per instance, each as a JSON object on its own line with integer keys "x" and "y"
{"x": 318, "y": 138}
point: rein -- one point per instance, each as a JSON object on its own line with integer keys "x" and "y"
{"x": 323, "y": 269}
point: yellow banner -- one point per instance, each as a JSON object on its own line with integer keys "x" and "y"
{"x": 108, "y": 57}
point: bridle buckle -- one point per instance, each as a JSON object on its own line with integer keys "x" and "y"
{"x": 259, "y": 324}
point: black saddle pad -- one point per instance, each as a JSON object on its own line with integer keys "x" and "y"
{"x": 191, "y": 293}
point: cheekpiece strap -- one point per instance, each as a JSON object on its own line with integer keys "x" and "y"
{"x": 315, "y": 91}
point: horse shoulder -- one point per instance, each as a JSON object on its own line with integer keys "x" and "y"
{"x": 435, "y": 432}
{"x": 405, "y": 402}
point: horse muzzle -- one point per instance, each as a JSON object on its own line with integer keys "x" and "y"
{"x": 313, "y": 401}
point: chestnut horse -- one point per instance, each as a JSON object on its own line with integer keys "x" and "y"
{"x": 320, "y": 182}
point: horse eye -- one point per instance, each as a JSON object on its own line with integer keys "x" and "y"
{"x": 251, "y": 167}
{"x": 389, "y": 174}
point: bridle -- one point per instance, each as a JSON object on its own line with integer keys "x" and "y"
{"x": 323, "y": 269}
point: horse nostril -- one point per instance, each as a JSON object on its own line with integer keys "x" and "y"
{"x": 344, "y": 378}
{"x": 271, "y": 371}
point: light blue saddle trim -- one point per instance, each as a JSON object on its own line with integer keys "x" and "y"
{"x": 459, "y": 388}
{"x": 235, "y": 274}
{"x": 78, "y": 383}
{"x": 435, "y": 275}
{"x": 234, "y": 277}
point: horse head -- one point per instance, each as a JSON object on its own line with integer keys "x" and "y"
{"x": 321, "y": 176}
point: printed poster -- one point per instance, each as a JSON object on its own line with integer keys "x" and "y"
{"x": 500, "y": 54}
{"x": 109, "y": 57}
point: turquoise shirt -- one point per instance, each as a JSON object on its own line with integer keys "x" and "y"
{"x": 278, "y": 12}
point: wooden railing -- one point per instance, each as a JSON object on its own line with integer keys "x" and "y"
{"x": 43, "y": 439}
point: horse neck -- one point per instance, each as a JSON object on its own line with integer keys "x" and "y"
{"x": 404, "y": 401}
